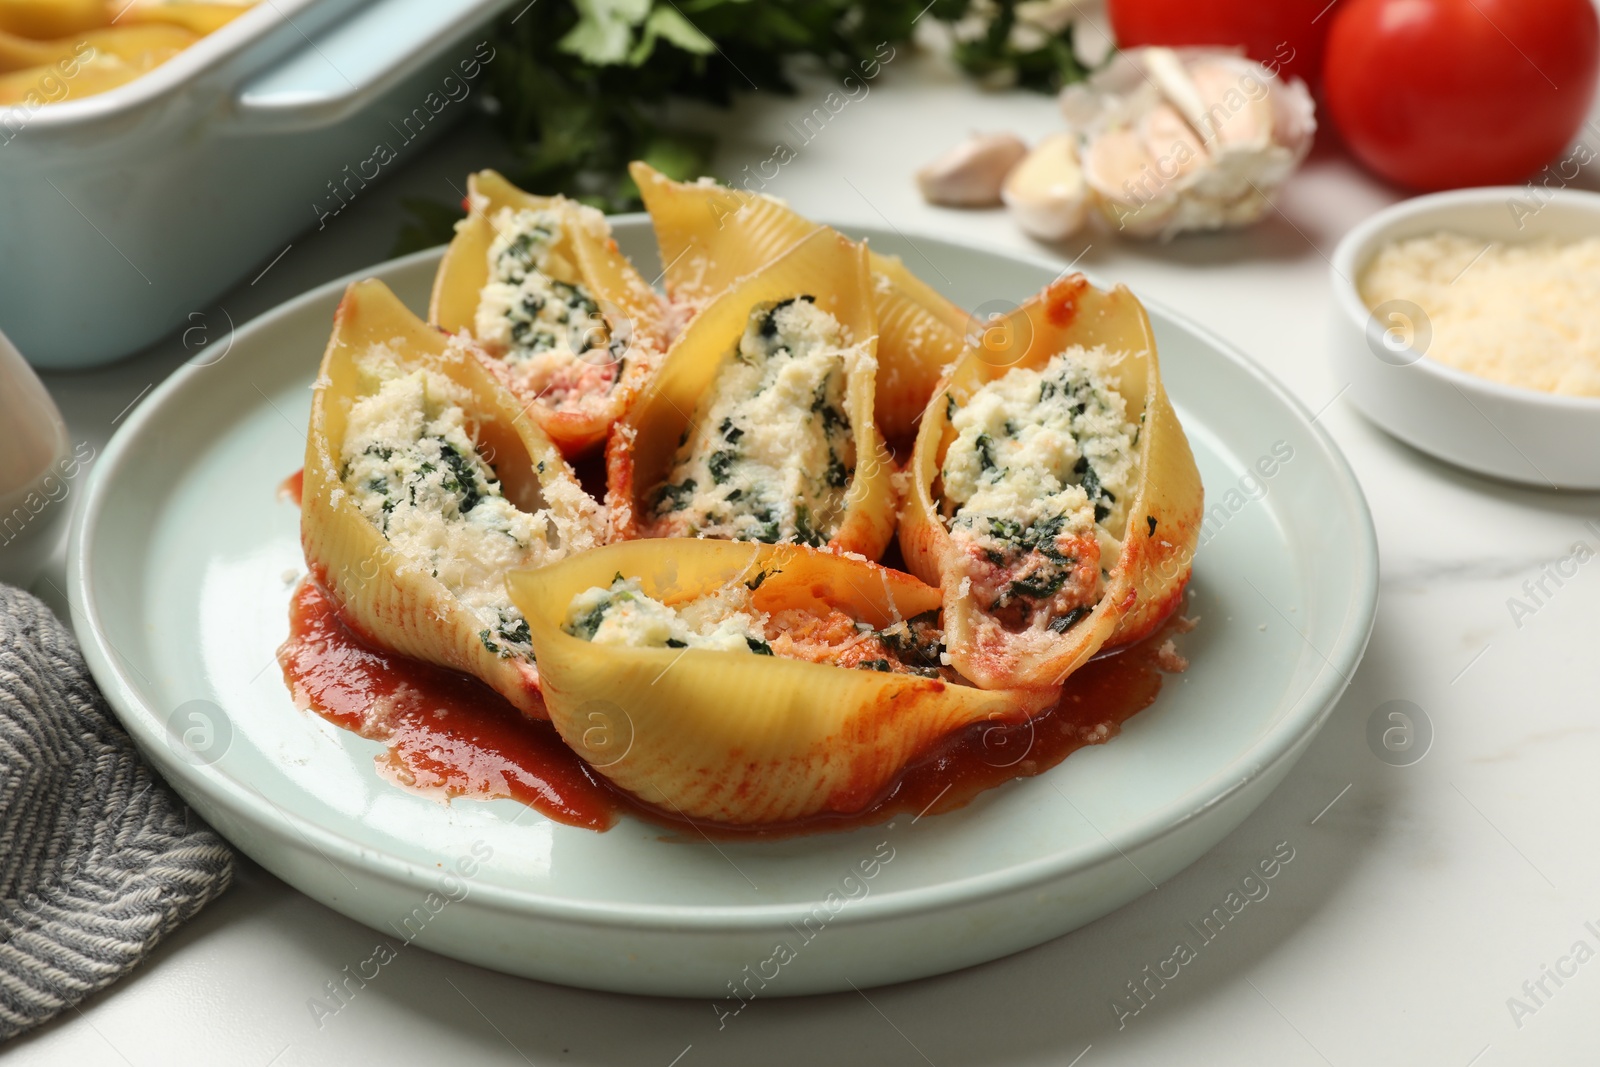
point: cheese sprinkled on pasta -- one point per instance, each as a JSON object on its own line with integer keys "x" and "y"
{"x": 412, "y": 468}
{"x": 540, "y": 317}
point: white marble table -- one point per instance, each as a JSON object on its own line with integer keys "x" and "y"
{"x": 1420, "y": 898}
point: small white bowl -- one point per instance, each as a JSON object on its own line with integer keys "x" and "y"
{"x": 1521, "y": 435}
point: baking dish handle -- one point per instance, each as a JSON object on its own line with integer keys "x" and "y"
{"x": 341, "y": 68}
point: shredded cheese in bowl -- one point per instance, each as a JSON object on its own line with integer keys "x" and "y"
{"x": 1523, "y": 315}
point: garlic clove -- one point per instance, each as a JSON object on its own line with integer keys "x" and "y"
{"x": 1169, "y": 75}
{"x": 1046, "y": 193}
{"x": 1178, "y": 155}
{"x": 1129, "y": 193}
{"x": 1237, "y": 113}
{"x": 971, "y": 173}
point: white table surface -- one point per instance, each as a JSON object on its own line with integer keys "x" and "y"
{"x": 1417, "y": 903}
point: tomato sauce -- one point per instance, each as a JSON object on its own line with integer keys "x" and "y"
{"x": 448, "y": 733}
{"x": 292, "y": 487}
{"x": 1061, "y": 299}
{"x": 444, "y": 731}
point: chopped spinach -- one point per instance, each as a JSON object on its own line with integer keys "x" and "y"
{"x": 832, "y": 417}
{"x": 770, "y": 529}
{"x": 758, "y": 646}
{"x": 804, "y": 533}
{"x": 917, "y": 643}
{"x": 1062, "y": 623}
{"x": 1098, "y": 495}
{"x": 515, "y": 630}
{"x": 1037, "y": 585}
{"x": 769, "y": 324}
{"x": 836, "y": 475}
{"x": 1005, "y": 529}
{"x": 761, "y": 576}
{"x": 586, "y": 625}
{"x": 721, "y": 464}
{"x": 985, "y": 452}
{"x": 673, "y": 497}
{"x": 462, "y": 479}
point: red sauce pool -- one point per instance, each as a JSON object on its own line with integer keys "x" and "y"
{"x": 447, "y": 732}
{"x": 444, "y": 730}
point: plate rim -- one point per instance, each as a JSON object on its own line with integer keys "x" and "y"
{"x": 1298, "y": 724}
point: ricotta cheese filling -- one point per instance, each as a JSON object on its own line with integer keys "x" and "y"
{"x": 413, "y": 470}
{"x": 1036, "y": 487}
{"x": 623, "y": 614}
{"x": 771, "y": 452}
{"x": 536, "y": 313}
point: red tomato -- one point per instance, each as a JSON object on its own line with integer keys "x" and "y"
{"x": 1440, "y": 94}
{"x": 1287, "y": 35}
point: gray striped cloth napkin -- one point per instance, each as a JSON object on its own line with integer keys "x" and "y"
{"x": 98, "y": 859}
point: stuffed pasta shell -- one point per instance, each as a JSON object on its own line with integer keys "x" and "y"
{"x": 425, "y": 484}
{"x": 747, "y": 683}
{"x": 712, "y": 235}
{"x": 759, "y": 424}
{"x": 562, "y": 316}
{"x": 1053, "y": 498}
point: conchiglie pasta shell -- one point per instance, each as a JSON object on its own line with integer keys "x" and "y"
{"x": 639, "y": 456}
{"x": 1147, "y": 582}
{"x": 626, "y": 300}
{"x": 925, "y": 333}
{"x": 742, "y": 738}
{"x": 712, "y": 235}
{"x": 390, "y": 600}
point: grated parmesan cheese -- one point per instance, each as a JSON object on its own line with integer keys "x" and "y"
{"x": 1524, "y": 315}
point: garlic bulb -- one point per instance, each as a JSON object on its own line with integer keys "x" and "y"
{"x": 1192, "y": 139}
{"x": 971, "y": 173}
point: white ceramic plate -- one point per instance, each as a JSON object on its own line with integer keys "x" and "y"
{"x": 181, "y": 562}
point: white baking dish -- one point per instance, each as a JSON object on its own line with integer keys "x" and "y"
{"x": 122, "y": 213}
